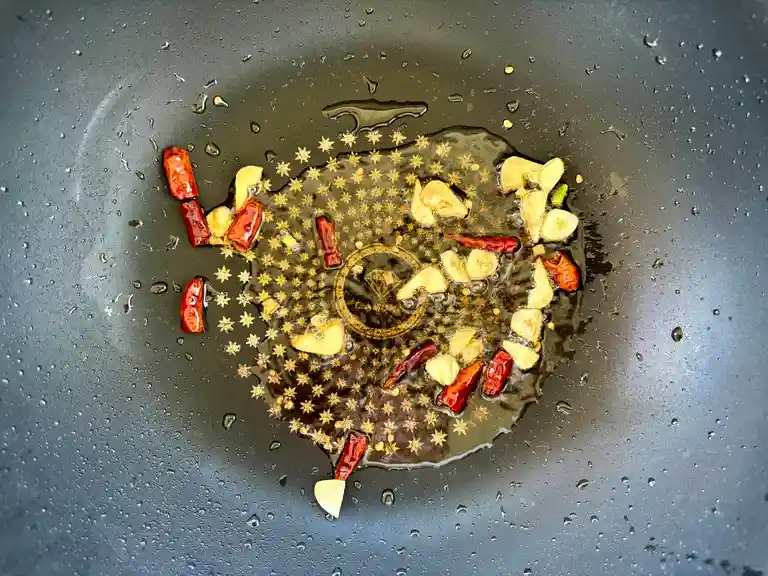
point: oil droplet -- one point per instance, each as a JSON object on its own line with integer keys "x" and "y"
{"x": 582, "y": 484}
{"x": 651, "y": 481}
{"x": 140, "y": 175}
{"x": 661, "y": 60}
{"x": 212, "y": 150}
{"x": 674, "y": 422}
{"x": 336, "y": 571}
{"x": 695, "y": 211}
{"x": 677, "y": 333}
{"x": 348, "y": 57}
{"x": 625, "y": 480}
{"x": 650, "y": 42}
{"x": 228, "y": 420}
{"x": 717, "y": 53}
{"x": 274, "y": 445}
{"x": 508, "y": 69}
{"x": 255, "y": 128}
{"x": 564, "y": 408}
{"x": 136, "y": 284}
{"x": 159, "y": 288}
{"x": 220, "y": 102}
{"x": 461, "y": 509}
{"x": 180, "y": 340}
{"x": 716, "y": 311}
{"x": 387, "y": 497}
{"x": 254, "y": 521}
{"x": 507, "y": 124}
{"x": 270, "y": 156}
{"x": 532, "y": 59}
{"x": 639, "y": 356}
{"x": 466, "y": 54}
{"x": 499, "y": 496}
{"x": 513, "y": 106}
{"x": 415, "y": 533}
{"x": 135, "y": 223}
{"x": 371, "y": 84}
{"x": 372, "y": 114}
{"x": 357, "y": 484}
{"x": 199, "y": 106}
{"x": 455, "y": 98}
{"x": 283, "y": 480}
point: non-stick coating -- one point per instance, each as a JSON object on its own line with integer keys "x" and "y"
{"x": 113, "y": 459}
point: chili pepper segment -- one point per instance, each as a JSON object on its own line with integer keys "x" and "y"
{"x": 353, "y": 451}
{"x": 326, "y": 234}
{"x": 415, "y": 359}
{"x": 195, "y": 222}
{"x": 499, "y": 244}
{"x": 179, "y": 172}
{"x": 563, "y": 271}
{"x": 246, "y": 225}
{"x": 496, "y": 374}
{"x": 456, "y": 395}
{"x": 193, "y": 306}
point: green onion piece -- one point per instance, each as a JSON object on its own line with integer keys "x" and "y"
{"x": 558, "y": 195}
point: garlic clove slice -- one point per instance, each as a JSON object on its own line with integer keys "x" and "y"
{"x": 454, "y": 266}
{"x": 542, "y": 292}
{"x": 219, "y": 220}
{"x": 429, "y": 278}
{"x": 438, "y": 197}
{"x": 533, "y": 204}
{"x": 481, "y": 264}
{"x": 330, "y": 495}
{"x": 420, "y": 213}
{"x": 525, "y": 358}
{"x": 558, "y": 225}
{"x": 443, "y": 369}
{"x": 513, "y": 172}
{"x": 460, "y": 340}
{"x": 328, "y": 340}
{"x": 548, "y": 177}
{"x": 527, "y": 322}
{"x": 246, "y": 180}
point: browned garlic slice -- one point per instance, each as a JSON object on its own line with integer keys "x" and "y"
{"x": 454, "y": 266}
{"x": 326, "y": 340}
{"x": 246, "y": 180}
{"x": 481, "y": 264}
{"x": 527, "y": 322}
{"x": 330, "y": 495}
{"x": 429, "y": 278}
{"x": 419, "y": 211}
{"x": 438, "y": 197}
{"x": 525, "y": 358}
{"x": 443, "y": 368}
{"x": 464, "y": 345}
{"x": 533, "y": 204}
{"x": 513, "y": 173}
{"x": 542, "y": 293}
{"x": 558, "y": 225}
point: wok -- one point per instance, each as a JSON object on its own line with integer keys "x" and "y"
{"x": 113, "y": 457}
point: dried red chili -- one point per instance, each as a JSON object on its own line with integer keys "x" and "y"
{"x": 563, "y": 271}
{"x": 415, "y": 358}
{"x": 326, "y": 234}
{"x": 456, "y": 395}
{"x": 195, "y": 222}
{"x": 500, "y": 244}
{"x": 496, "y": 374}
{"x": 353, "y": 451}
{"x": 178, "y": 170}
{"x": 245, "y": 227}
{"x": 193, "y": 306}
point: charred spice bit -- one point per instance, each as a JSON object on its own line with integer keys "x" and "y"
{"x": 178, "y": 170}
{"x": 496, "y": 375}
{"x": 193, "y": 306}
{"x": 195, "y": 222}
{"x": 456, "y": 395}
{"x": 353, "y": 452}
{"x": 415, "y": 359}
{"x": 326, "y": 233}
{"x": 563, "y": 271}
{"x": 246, "y": 225}
{"x": 500, "y": 244}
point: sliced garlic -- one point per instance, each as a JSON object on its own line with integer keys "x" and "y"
{"x": 538, "y": 250}
{"x": 330, "y": 495}
{"x": 460, "y": 340}
{"x": 219, "y": 220}
{"x": 524, "y": 357}
{"x": 533, "y": 204}
{"x": 270, "y": 306}
{"x": 542, "y": 293}
{"x": 429, "y": 278}
{"x": 549, "y": 175}
{"x": 454, "y": 266}
{"x": 246, "y": 180}
{"x": 558, "y": 225}
{"x": 420, "y": 213}
{"x": 513, "y": 171}
{"x": 527, "y": 322}
{"x": 443, "y": 368}
{"x": 290, "y": 242}
{"x": 481, "y": 264}
{"x": 438, "y": 197}
{"x": 328, "y": 340}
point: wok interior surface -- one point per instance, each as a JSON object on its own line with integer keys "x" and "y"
{"x": 113, "y": 457}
